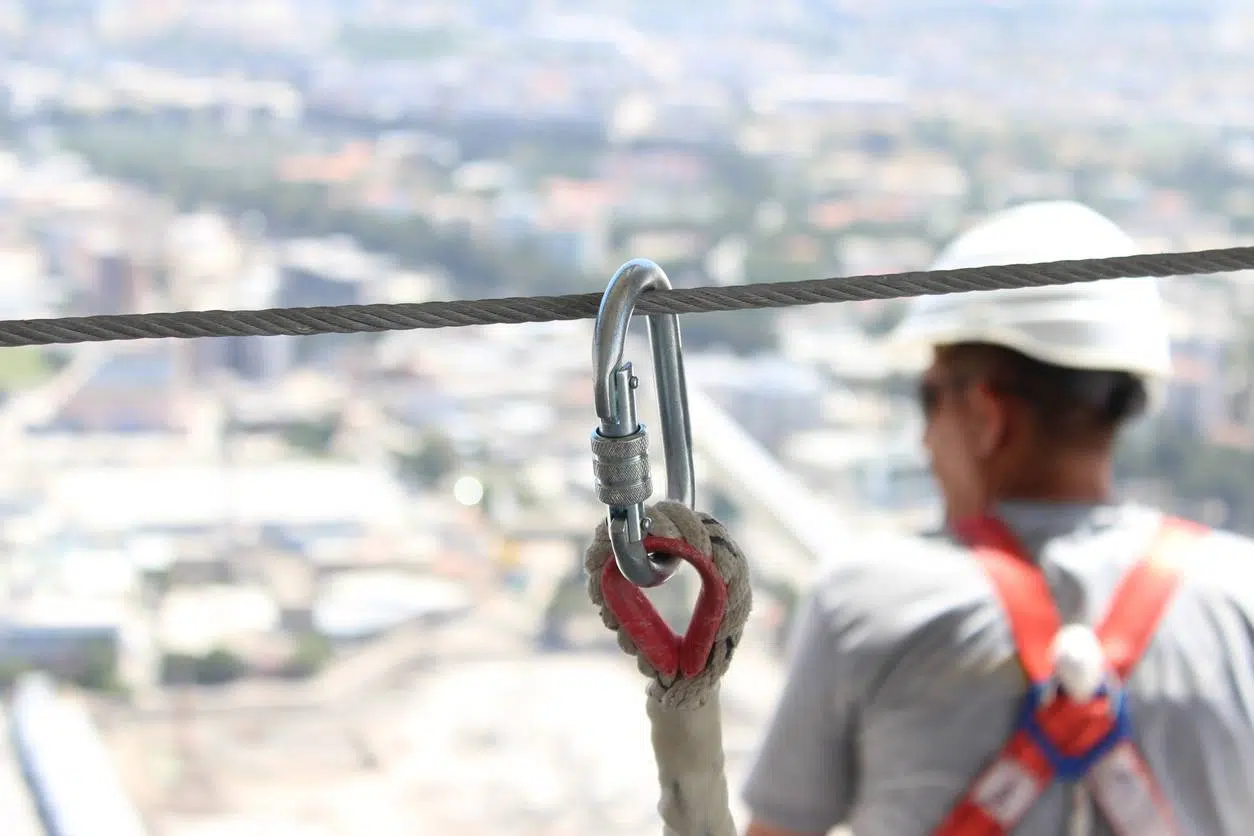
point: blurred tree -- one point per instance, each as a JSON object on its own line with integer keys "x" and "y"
{"x": 1195, "y": 473}
{"x": 219, "y": 666}
{"x": 197, "y": 166}
{"x": 10, "y": 671}
{"x": 312, "y": 437}
{"x": 99, "y": 670}
{"x": 433, "y": 460}
{"x": 311, "y": 654}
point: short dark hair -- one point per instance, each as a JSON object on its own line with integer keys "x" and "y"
{"x": 1071, "y": 406}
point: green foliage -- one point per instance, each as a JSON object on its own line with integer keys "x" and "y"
{"x": 220, "y": 666}
{"x": 158, "y": 581}
{"x": 376, "y": 43}
{"x": 217, "y": 667}
{"x": 99, "y": 669}
{"x": 96, "y": 669}
{"x": 312, "y": 653}
{"x": 1197, "y": 471}
{"x": 312, "y": 437}
{"x": 10, "y": 671}
{"x": 204, "y": 167}
{"x": 23, "y": 367}
{"x": 198, "y": 166}
{"x": 432, "y": 461}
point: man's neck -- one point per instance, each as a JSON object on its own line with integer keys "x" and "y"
{"x": 1078, "y": 478}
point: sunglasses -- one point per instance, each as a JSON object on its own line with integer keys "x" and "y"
{"x": 932, "y": 393}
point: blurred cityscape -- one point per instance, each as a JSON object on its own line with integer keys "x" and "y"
{"x": 331, "y": 585}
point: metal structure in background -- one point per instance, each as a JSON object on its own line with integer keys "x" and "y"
{"x": 74, "y": 782}
{"x": 620, "y": 446}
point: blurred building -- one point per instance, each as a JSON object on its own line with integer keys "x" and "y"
{"x": 136, "y": 390}
{"x": 770, "y": 397}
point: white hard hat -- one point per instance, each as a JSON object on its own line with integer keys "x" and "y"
{"x": 1112, "y": 325}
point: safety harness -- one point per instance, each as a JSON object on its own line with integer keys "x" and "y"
{"x": 1075, "y": 722}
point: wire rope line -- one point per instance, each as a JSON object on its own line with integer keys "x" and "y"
{"x": 348, "y": 319}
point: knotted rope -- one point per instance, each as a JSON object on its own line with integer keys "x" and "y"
{"x": 682, "y": 704}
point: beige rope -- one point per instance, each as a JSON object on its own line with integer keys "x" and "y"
{"x": 684, "y": 713}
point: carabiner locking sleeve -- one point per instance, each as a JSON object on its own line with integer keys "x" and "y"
{"x": 620, "y": 445}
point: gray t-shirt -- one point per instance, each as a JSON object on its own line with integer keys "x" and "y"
{"x": 904, "y": 680}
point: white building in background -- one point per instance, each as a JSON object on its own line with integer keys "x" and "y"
{"x": 360, "y": 604}
{"x": 197, "y": 620}
{"x": 26, "y": 289}
{"x": 296, "y": 495}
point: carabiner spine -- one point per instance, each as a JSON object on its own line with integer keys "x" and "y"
{"x": 672, "y": 394}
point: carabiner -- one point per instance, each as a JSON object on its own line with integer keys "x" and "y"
{"x": 620, "y": 446}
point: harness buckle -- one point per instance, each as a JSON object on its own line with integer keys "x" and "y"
{"x": 1046, "y": 703}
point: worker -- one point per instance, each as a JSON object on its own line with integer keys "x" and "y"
{"x": 915, "y": 662}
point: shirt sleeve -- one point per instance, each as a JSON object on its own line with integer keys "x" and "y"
{"x": 802, "y": 778}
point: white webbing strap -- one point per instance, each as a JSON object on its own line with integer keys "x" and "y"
{"x": 1129, "y": 796}
{"x": 1005, "y": 791}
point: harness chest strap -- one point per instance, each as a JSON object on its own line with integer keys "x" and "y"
{"x": 1058, "y": 737}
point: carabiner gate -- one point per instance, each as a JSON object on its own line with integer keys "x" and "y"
{"x": 620, "y": 445}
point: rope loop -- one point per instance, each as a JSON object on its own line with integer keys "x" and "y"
{"x": 685, "y": 669}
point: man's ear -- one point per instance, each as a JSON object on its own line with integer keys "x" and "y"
{"x": 989, "y": 420}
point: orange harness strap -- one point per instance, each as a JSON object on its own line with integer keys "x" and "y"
{"x": 1057, "y": 738}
